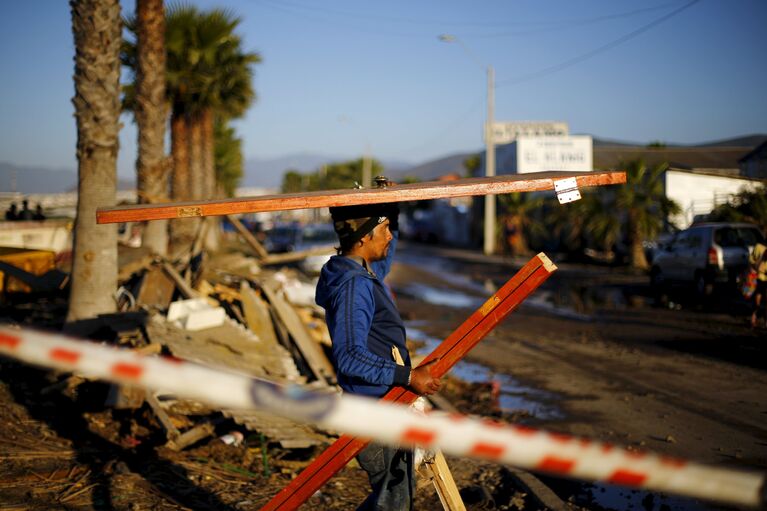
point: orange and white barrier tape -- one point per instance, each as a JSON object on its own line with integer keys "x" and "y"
{"x": 390, "y": 423}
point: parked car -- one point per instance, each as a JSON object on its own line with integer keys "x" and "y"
{"x": 281, "y": 238}
{"x": 315, "y": 236}
{"x": 705, "y": 255}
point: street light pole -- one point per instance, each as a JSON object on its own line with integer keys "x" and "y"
{"x": 489, "y": 223}
{"x": 489, "y": 246}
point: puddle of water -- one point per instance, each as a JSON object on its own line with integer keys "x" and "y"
{"x": 513, "y": 395}
{"x": 609, "y": 497}
{"x": 580, "y": 302}
{"x": 544, "y": 300}
{"x": 446, "y": 272}
{"x": 446, "y": 297}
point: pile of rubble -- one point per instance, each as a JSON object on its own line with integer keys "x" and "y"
{"x": 232, "y": 311}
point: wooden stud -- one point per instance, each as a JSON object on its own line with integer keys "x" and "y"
{"x": 320, "y": 199}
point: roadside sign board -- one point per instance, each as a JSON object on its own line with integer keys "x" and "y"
{"x": 507, "y": 132}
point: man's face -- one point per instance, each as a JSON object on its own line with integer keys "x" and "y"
{"x": 378, "y": 242}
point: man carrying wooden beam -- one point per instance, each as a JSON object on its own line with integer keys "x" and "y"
{"x": 369, "y": 335}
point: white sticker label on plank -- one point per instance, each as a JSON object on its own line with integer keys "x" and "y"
{"x": 567, "y": 190}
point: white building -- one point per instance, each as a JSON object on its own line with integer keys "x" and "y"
{"x": 698, "y": 192}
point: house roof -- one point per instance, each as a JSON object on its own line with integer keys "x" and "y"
{"x": 760, "y": 150}
{"x": 677, "y": 157}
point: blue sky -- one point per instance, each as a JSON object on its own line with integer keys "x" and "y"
{"x": 339, "y": 76}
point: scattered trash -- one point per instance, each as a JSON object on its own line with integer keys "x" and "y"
{"x": 233, "y": 438}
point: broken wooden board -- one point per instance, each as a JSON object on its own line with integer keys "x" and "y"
{"x": 257, "y": 314}
{"x": 183, "y": 286}
{"x": 237, "y": 349}
{"x": 310, "y": 349}
{"x": 316, "y": 327}
{"x": 156, "y": 290}
{"x": 251, "y": 240}
{"x": 291, "y": 257}
{"x": 444, "y": 483}
{"x": 447, "y": 354}
{"x": 400, "y": 193}
{"x": 230, "y": 346}
{"x": 289, "y": 434}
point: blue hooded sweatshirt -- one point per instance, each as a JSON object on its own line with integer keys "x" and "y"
{"x": 364, "y": 324}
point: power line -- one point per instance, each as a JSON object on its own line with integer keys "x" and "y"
{"x": 548, "y": 24}
{"x": 573, "y": 23}
{"x": 588, "y": 55}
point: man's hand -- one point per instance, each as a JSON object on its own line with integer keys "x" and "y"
{"x": 422, "y": 382}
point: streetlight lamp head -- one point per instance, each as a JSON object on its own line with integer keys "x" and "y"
{"x": 446, "y": 38}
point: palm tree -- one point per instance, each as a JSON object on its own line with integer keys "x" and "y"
{"x": 179, "y": 89}
{"x": 644, "y": 201}
{"x": 746, "y": 206}
{"x": 599, "y": 219}
{"x": 224, "y": 88}
{"x": 96, "y": 27}
{"x": 151, "y": 114}
{"x": 208, "y": 79}
{"x": 519, "y": 222}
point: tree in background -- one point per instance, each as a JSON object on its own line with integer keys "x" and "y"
{"x": 208, "y": 81}
{"x": 222, "y": 88}
{"x": 96, "y": 27}
{"x": 292, "y": 181}
{"x": 632, "y": 213}
{"x": 746, "y": 206}
{"x": 519, "y": 221}
{"x": 472, "y": 164}
{"x": 643, "y": 200}
{"x": 597, "y": 218}
{"x": 334, "y": 176}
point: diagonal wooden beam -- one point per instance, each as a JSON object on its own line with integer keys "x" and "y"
{"x": 447, "y": 354}
{"x": 410, "y": 192}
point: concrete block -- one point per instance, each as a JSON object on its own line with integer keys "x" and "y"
{"x": 195, "y": 314}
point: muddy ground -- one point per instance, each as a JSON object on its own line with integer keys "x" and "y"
{"x": 588, "y": 355}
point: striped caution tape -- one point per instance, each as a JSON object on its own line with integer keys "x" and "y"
{"x": 390, "y": 423}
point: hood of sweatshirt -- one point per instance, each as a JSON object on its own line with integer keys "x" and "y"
{"x": 334, "y": 274}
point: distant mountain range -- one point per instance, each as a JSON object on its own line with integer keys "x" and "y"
{"x": 267, "y": 172}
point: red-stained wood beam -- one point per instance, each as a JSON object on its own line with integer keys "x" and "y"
{"x": 448, "y": 353}
{"x": 409, "y": 192}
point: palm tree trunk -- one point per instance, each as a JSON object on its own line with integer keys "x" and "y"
{"x": 638, "y": 259}
{"x": 96, "y": 26}
{"x": 210, "y": 190}
{"x": 151, "y": 114}
{"x": 515, "y": 236}
{"x": 181, "y": 231}
{"x": 179, "y": 143}
{"x": 208, "y": 155}
{"x": 197, "y": 178}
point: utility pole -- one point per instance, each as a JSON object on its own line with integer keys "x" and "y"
{"x": 489, "y": 246}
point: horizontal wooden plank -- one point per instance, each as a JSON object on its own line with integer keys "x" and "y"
{"x": 321, "y": 199}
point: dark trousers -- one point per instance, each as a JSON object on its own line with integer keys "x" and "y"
{"x": 390, "y": 472}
